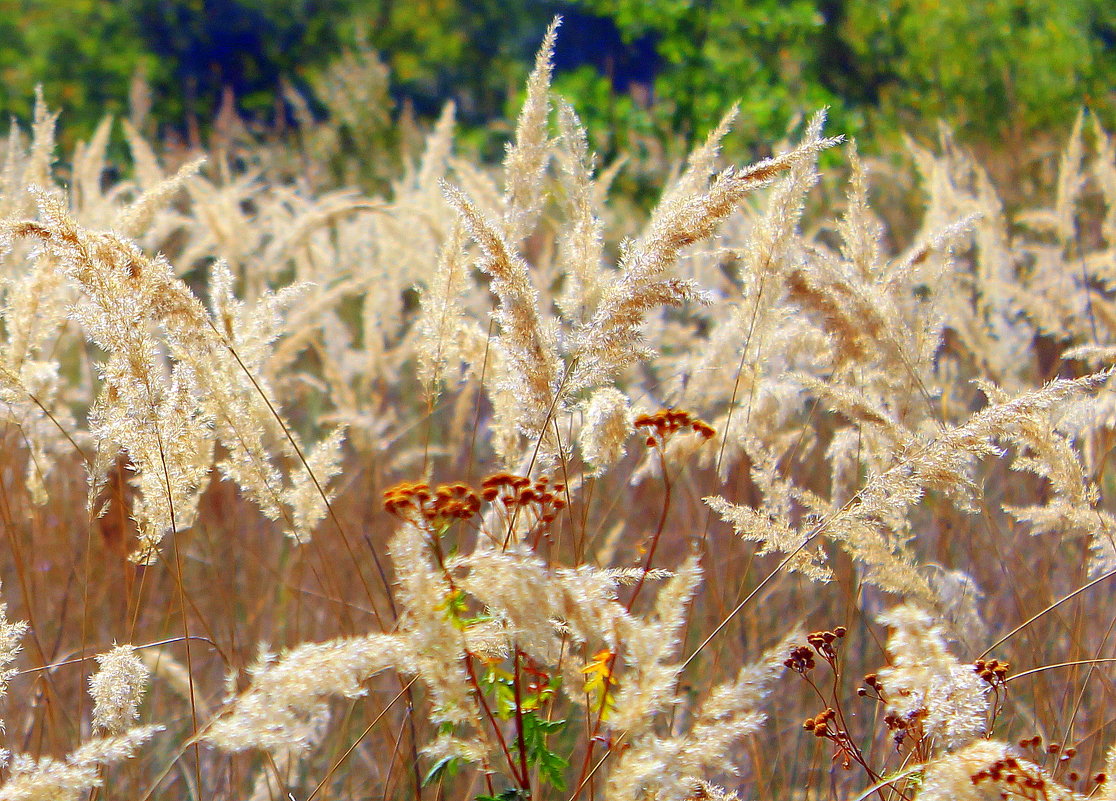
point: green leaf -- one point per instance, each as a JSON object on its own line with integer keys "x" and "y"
{"x": 446, "y": 766}
{"x": 552, "y": 768}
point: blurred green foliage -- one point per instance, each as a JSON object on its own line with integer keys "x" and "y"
{"x": 990, "y": 68}
{"x": 204, "y": 46}
{"x": 772, "y": 56}
{"x": 84, "y": 58}
{"x": 645, "y": 74}
{"x": 85, "y": 53}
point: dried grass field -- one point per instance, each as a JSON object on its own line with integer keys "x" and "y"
{"x": 493, "y": 488}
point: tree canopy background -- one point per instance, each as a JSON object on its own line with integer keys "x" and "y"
{"x": 640, "y": 72}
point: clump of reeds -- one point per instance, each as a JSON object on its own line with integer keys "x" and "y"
{"x": 503, "y": 447}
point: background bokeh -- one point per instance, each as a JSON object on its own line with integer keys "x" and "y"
{"x": 644, "y": 74}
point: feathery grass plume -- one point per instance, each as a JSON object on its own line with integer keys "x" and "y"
{"x": 719, "y": 372}
{"x": 607, "y": 337}
{"x": 885, "y": 329}
{"x": 510, "y": 584}
{"x": 90, "y": 200}
{"x": 239, "y": 400}
{"x": 145, "y": 162}
{"x": 868, "y": 316}
{"x": 23, "y": 170}
{"x": 865, "y": 340}
{"x": 613, "y": 339}
{"x": 958, "y": 607}
{"x": 1104, "y": 178}
{"x": 479, "y": 185}
{"x": 1061, "y": 220}
{"x": 870, "y": 305}
{"x": 357, "y": 91}
{"x": 941, "y": 465}
{"x": 31, "y": 401}
{"x": 526, "y": 160}
{"x": 305, "y": 219}
{"x": 37, "y": 170}
{"x": 860, "y": 229}
{"x": 117, "y": 689}
{"x": 704, "y": 791}
{"x": 944, "y": 177}
{"x": 10, "y": 634}
{"x": 646, "y": 649}
{"x": 608, "y": 424}
{"x": 664, "y": 767}
{"x": 135, "y": 219}
{"x": 167, "y": 440}
{"x": 436, "y": 155}
{"x": 769, "y": 523}
{"x": 982, "y": 315}
{"x": 11, "y": 175}
{"x": 582, "y": 249}
{"x": 140, "y": 411}
{"x": 987, "y": 770}
{"x": 1073, "y": 506}
{"x": 925, "y": 683}
{"x": 528, "y": 343}
{"x": 50, "y": 779}
{"x": 308, "y": 505}
{"x": 1088, "y": 423}
{"x": 436, "y": 646}
{"x": 35, "y": 303}
{"x": 150, "y": 218}
{"x": 538, "y": 606}
{"x": 413, "y": 245}
{"x": 1059, "y": 276}
{"x": 222, "y": 229}
{"x": 439, "y": 344}
{"x": 867, "y": 526}
{"x": 586, "y": 606}
{"x": 216, "y": 388}
{"x": 701, "y": 165}
{"x": 287, "y": 703}
{"x": 237, "y": 419}
{"x": 530, "y": 608}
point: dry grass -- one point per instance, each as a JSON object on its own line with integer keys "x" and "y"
{"x": 449, "y": 494}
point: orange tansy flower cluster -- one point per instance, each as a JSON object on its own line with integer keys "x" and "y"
{"x": 801, "y": 659}
{"x": 819, "y": 725}
{"x": 519, "y": 491}
{"x": 418, "y": 502}
{"x": 823, "y": 641}
{"x": 1022, "y": 779}
{"x": 873, "y": 681}
{"x": 992, "y": 671}
{"x": 435, "y": 506}
{"x": 665, "y": 422}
